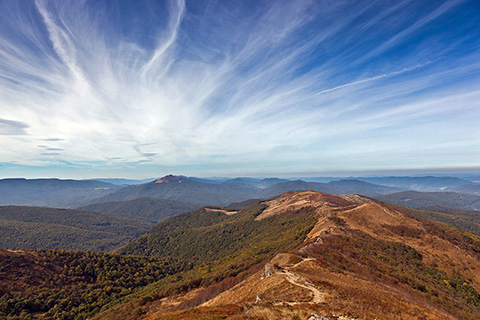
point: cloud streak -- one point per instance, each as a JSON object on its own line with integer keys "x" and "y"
{"x": 224, "y": 85}
{"x": 12, "y": 128}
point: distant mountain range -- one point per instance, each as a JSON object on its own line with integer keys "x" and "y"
{"x": 194, "y": 190}
{"x": 214, "y": 191}
{"x": 433, "y": 200}
{"x": 50, "y": 192}
{"x": 121, "y": 182}
{"x": 428, "y": 183}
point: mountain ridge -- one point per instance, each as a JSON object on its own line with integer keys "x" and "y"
{"x": 386, "y": 261}
{"x": 299, "y": 255}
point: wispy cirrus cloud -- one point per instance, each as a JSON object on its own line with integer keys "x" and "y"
{"x": 283, "y": 83}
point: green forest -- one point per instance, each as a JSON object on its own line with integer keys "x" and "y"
{"x": 73, "y": 285}
{"x": 50, "y": 228}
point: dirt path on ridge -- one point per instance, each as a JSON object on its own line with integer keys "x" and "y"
{"x": 299, "y": 281}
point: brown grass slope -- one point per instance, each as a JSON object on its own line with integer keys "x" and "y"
{"x": 361, "y": 260}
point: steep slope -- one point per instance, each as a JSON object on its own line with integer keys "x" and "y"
{"x": 361, "y": 259}
{"x": 146, "y": 208}
{"x": 419, "y": 200}
{"x": 49, "y": 228}
{"x": 50, "y": 192}
{"x": 460, "y": 219}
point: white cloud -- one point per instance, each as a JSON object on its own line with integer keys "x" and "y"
{"x": 225, "y": 85}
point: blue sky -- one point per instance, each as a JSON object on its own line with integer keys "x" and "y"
{"x": 238, "y": 88}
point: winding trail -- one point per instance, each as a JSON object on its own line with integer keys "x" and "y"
{"x": 299, "y": 281}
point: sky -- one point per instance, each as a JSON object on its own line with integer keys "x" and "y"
{"x": 238, "y": 88}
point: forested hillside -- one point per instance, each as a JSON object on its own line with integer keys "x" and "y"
{"x": 67, "y": 285}
{"x": 146, "y": 208}
{"x": 49, "y": 228}
{"x": 212, "y": 237}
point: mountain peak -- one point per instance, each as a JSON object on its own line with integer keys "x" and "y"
{"x": 171, "y": 178}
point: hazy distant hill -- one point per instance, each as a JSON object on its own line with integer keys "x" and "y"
{"x": 75, "y": 193}
{"x": 428, "y": 183}
{"x": 180, "y": 188}
{"x": 195, "y": 190}
{"x": 415, "y": 199}
{"x": 335, "y": 187}
{"x": 49, "y": 228}
{"x": 259, "y": 183}
{"x": 359, "y": 187}
{"x": 296, "y": 185}
{"x": 50, "y": 192}
{"x": 145, "y": 208}
{"x": 122, "y": 182}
